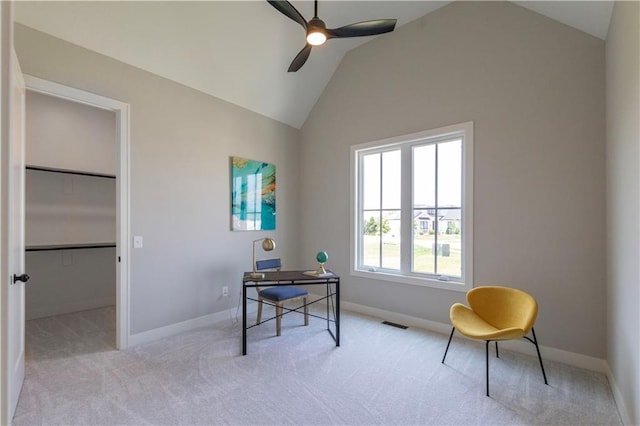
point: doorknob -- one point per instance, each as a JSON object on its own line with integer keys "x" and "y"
{"x": 24, "y": 278}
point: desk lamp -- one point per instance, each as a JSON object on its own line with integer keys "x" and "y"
{"x": 268, "y": 244}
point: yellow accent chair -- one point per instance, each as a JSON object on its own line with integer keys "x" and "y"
{"x": 494, "y": 314}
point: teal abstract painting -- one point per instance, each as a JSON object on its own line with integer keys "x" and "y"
{"x": 253, "y": 195}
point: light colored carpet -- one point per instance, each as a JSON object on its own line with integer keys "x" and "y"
{"x": 380, "y": 375}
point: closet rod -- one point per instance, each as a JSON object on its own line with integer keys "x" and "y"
{"x": 69, "y": 247}
{"x": 70, "y": 172}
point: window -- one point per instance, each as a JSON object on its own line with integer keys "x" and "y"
{"x": 412, "y": 208}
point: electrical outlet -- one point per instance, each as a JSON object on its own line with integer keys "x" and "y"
{"x": 225, "y": 291}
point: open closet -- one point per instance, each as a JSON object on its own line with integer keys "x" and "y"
{"x": 70, "y": 206}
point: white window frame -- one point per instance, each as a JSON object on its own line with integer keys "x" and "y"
{"x": 405, "y": 276}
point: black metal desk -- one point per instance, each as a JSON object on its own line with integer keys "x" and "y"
{"x": 284, "y": 278}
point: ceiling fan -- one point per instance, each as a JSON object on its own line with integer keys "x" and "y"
{"x": 318, "y": 33}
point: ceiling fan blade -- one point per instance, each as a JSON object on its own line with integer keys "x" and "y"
{"x": 289, "y": 11}
{"x": 361, "y": 29}
{"x": 300, "y": 59}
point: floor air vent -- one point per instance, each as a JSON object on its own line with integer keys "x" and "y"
{"x": 393, "y": 324}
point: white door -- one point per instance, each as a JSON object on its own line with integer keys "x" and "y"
{"x": 15, "y": 300}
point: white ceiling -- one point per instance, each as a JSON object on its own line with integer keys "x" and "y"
{"x": 239, "y": 51}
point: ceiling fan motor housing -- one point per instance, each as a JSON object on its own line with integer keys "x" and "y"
{"x": 317, "y": 23}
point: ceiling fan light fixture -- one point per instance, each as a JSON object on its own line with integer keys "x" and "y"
{"x": 316, "y": 37}
{"x": 317, "y": 33}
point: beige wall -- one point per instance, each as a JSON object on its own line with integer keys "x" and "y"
{"x": 181, "y": 141}
{"x": 534, "y": 89}
{"x": 623, "y": 206}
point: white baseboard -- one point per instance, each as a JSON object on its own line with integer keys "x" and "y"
{"x": 552, "y": 354}
{"x": 181, "y": 327}
{"x": 397, "y": 318}
{"x": 625, "y": 417}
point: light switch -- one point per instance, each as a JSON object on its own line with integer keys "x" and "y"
{"x": 137, "y": 241}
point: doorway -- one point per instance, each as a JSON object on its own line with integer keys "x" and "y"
{"x": 98, "y": 180}
{"x": 70, "y": 215}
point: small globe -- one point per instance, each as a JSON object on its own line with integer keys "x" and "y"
{"x": 322, "y": 256}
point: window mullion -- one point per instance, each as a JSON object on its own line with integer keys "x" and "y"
{"x": 437, "y": 215}
{"x": 360, "y": 211}
{"x": 406, "y": 209}
{"x": 380, "y": 211}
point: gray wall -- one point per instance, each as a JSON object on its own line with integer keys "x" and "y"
{"x": 69, "y": 209}
{"x": 181, "y": 141}
{"x": 535, "y": 91}
{"x": 623, "y": 208}
{"x": 69, "y": 135}
{"x": 63, "y": 281}
{"x": 66, "y": 208}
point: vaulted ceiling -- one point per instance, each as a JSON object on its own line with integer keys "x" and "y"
{"x": 239, "y": 51}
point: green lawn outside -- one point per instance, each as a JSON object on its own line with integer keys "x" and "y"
{"x": 423, "y": 253}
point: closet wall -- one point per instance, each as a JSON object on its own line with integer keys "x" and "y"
{"x": 67, "y": 212}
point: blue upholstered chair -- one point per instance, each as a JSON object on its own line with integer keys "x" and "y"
{"x": 277, "y": 296}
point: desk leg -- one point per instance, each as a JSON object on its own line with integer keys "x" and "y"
{"x": 338, "y": 313}
{"x": 328, "y": 300}
{"x": 244, "y": 319}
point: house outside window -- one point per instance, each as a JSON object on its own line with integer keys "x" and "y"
{"x": 412, "y": 208}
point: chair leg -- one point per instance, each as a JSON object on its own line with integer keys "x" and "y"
{"x": 535, "y": 342}
{"x": 487, "y": 351}
{"x": 306, "y": 311}
{"x": 259, "y": 318}
{"x": 447, "y": 350}
{"x": 278, "y": 318}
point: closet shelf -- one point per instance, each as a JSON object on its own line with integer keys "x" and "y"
{"x": 70, "y": 172}
{"x": 50, "y": 247}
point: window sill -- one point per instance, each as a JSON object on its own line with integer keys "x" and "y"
{"x": 452, "y": 284}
